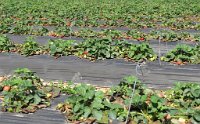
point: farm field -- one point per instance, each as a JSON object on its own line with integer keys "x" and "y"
{"x": 100, "y": 61}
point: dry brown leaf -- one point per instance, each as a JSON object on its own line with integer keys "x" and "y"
{"x": 1, "y": 79}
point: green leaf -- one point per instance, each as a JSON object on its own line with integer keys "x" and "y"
{"x": 90, "y": 94}
{"x": 37, "y": 99}
{"x": 112, "y": 114}
{"x": 97, "y": 114}
{"x": 154, "y": 99}
{"x": 196, "y": 92}
{"x": 143, "y": 98}
{"x": 76, "y": 107}
{"x": 99, "y": 94}
{"x": 97, "y": 103}
{"x": 28, "y": 98}
{"x": 197, "y": 117}
{"x": 87, "y": 112}
{"x": 104, "y": 119}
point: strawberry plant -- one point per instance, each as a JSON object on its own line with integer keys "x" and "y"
{"x": 85, "y": 33}
{"x": 165, "y": 35}
{"x": 95, "y": 49}
{"x": 113, "y": 34}
{"x": 111, "y": 23}
{"x": 120, "y": 48}
{"x": 64, "y": 87}
{"x": 30, "y": 47}
{"x": 187, "y": 92}
{"x": 21, "y": 29}
{"x": 135, "y": 34}
{"x": 24, "y": 94}
{"x": 185, "y": 96}
{"x": 60, "y": 47}
{"x": 197, "y": 37}
{"x": 183, "y": 54}
{"x": 82, "y": 102}
{"x": 148, "y": 106}
{"x": 62, "y": 31}
{"x": 88, "y": 105}
{"x": 91, "y": 22}
{"x": 184, "y": 36}
{"x": 139, "y": 52}
{"x": 180, "y": 24}
{"x": 4, "y": 29}
{"x": 5, "y": 44}
{"x": 125, "y": 86}
{"x": 79, "y": 23}
{"x": 122, "y": 93}
{"x": 26, "y": 74}
{"x": 42, "y": 31}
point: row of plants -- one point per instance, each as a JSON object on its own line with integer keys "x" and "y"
{"x": 136, "y": 14}
{"x": 92, "y": 49}
{"x": 100, "y": 49}
{"x": 130, "y": 101}
{"x": 24, "y": 92}
{"x": 163, "y": 35}
{"x": 26, "y": 24}
{"x": 64, "y": 31}
{"x": 182, "y": 54}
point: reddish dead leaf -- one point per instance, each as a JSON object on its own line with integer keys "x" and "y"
{"x": 167, "y": 117}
